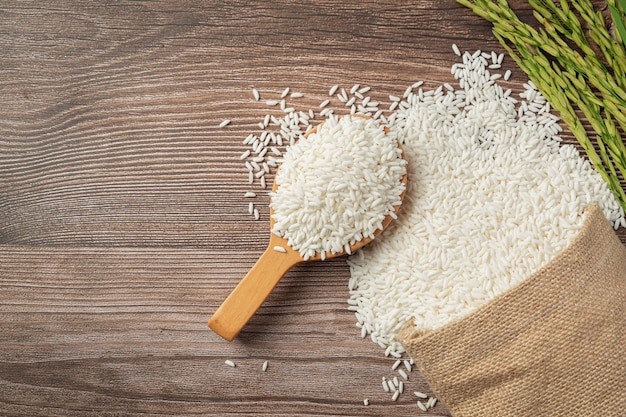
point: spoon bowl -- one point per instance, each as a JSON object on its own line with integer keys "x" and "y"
{"x": 273, "y": 264}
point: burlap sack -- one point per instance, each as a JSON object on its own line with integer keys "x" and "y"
{"x": 555, "y": 345}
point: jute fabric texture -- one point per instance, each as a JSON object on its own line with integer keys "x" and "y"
{"x": 555, "y": 345}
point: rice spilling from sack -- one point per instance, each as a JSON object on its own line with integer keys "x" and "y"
{"x": 492, "y": 197}
{"x": 336, "y": 186}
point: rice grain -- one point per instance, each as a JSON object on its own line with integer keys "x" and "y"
{"x": 421, "y": 406}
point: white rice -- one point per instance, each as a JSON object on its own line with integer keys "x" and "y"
{"x": 385, "y": 385}
{"x": 336, "y": 186}
{"x": 492, "y": 197}
{"x": 421, "y": 406}
{"x": 230, "y": 363}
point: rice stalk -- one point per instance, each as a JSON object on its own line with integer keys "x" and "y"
{"x": 613, "y": 50}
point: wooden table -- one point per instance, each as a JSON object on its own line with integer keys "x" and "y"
{"x": 122, "y": 218}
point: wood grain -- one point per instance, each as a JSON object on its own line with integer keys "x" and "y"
{"x": 123, "y": 331}
{"x": 122, "y": 218}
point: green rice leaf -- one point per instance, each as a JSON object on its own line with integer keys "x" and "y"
{"x": 618, "y": 20}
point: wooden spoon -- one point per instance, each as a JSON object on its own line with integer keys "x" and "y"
{"x": 259, "y": 282}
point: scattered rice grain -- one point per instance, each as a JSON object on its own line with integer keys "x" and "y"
{"x": 421, "y": 406}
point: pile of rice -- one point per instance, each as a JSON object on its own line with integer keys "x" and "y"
{"x": 492, "y": 197}
{"x": 336, "y": 186}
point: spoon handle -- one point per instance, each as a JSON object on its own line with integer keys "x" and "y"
{"x": 251, "y": 292}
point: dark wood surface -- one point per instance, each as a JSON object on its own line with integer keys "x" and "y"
{"x": 122, "y": 218}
